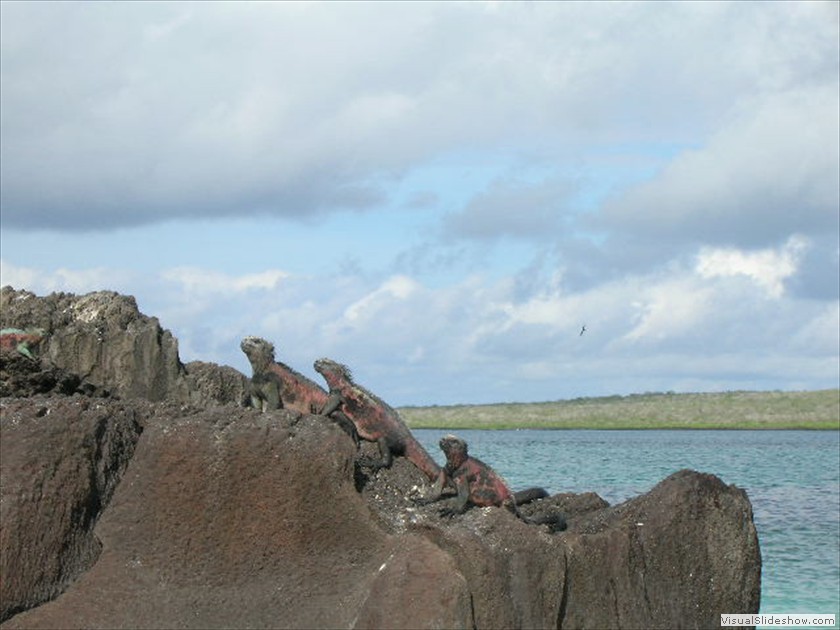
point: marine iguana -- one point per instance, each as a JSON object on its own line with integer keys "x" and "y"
{"x": 478, "y": 484}
{"x": 24, "y": 341}
{"x": 274, "y": 385}
{"x": 375, "y": 420}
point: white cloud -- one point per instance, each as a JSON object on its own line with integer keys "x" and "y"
{"x": 673, "y": 308}
{"x": 478, "y": 340}
{"x": 395, "y": 288}
{"x": 72, "y": 280}
{"x": 666, "y": 174}
{"x": 18, "y": 276}
{"x": 514, "y": 208}
{"x": 166, "y": 28}
{"x": 768, "y": 268}
{"x": 202, "y": 281}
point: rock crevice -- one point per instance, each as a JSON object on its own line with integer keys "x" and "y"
{"x": 62, "y": 459}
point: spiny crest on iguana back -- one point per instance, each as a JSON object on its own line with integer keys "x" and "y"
{"x": 345, "y": 373}
{"x": 275, "y": 385}
{"x": 375, "y": 420}
{"x": 335, "y": 366}
{"x": 267, "y": 349}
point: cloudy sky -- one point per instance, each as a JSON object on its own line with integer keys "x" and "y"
{"x": 441, "y": 195}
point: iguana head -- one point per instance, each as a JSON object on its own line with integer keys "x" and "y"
{"x": 455, "y": 450}
{"x": 259, "y": 351}
{"x": 333, "y": 369}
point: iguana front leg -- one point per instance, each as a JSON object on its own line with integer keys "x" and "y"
{"x": 346, "y": 425}
{"x": 460, "y": 506}
{"x": 272, "y": 396}
{"x": 333, "y": 402}
{"x": 330, "y": 409}
{"x": 436, "y": 492}
{"x": 386, "y": 459}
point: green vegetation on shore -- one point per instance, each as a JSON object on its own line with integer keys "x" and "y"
{"x": 728, "y": 410}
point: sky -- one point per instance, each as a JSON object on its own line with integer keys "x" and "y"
{"x": 441, "y": 195}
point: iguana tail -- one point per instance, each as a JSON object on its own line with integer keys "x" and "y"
{"x": 555, "y": 522}
{"x": 528, "y": 495}
{"x": 418, "y": 456}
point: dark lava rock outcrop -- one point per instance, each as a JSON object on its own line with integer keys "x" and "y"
{"x": 232, "y": 518}
{"x": 210, "y": 384}
{"x": 675, "y": 557}
{"x": 61, "y": 459}
{"x": 104, "y": 340}
{"x": 22, "y": 376}
{"x": 121, "y": 512}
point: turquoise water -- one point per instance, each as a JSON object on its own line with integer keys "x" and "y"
{"x": 792, "y": 479}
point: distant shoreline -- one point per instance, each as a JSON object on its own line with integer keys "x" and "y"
{"x": 736, "y": 410}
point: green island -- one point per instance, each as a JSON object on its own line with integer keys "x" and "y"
{"x": 726, "y": 410}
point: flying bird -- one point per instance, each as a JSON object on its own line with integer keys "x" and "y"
{"x": 582, "y": 330}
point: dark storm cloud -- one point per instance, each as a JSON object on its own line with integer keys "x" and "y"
{"x": 119, "y": 114}
{"x": 125, "y": 113}
{"x": 513, "y": 209}
{"x": 772, "y": 172}
{"x": 819, "y": 272}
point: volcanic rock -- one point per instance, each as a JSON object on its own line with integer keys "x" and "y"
{"x": 210, "y": 384}
{"x": 61, "y": 459}
{"x": 194, "y": 512}
{"x": 676, "y": 556}
{"x": 22, "y": 376}
{"x": 228, "y": 517}
{"x": 103, "y": 339}
{"x": 232, "y": 518}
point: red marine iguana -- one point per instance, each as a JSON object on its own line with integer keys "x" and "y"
{"x": 275, "y": 385}
{"x": 374, "y": 419}
{"x": 24, "y": 341}
{"x": 480, "y": 485}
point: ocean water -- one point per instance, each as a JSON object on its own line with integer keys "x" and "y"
{"x": 791, "y": 477}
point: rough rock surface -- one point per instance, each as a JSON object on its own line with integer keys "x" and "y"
{"x": 103, "y": 338}
{"x": 219, "y": 384}
{"x": 231, "y": 518}
{"x": 106, "y": 341}
{"x": 676, "y": 556}
{"x": 130, "y": 513}
{"x": 21, "y": 376}
{"x": 62, "y": 458}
